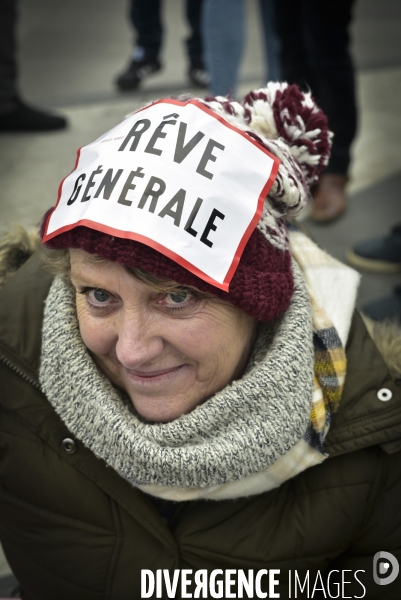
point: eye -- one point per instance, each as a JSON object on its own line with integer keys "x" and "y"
{"x": 100, "y": 295}
{"x": 178, "y": 300}
{"x": 178, "y": 297}
{"x": 98, "y": 298}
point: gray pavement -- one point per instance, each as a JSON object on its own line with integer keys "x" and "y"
{"x": 70, "y": 53}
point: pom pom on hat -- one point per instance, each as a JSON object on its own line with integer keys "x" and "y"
{"x": 298, "y": 121}
{"x": 289, "y": 124}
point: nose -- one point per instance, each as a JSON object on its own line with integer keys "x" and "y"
{"x": 139, "y": 340}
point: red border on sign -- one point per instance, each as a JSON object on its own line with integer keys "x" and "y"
{"x": 159, "y": 247}
{"x": 137, "y": 237}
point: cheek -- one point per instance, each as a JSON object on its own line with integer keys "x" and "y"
{"x": 96, "y": 334}
{"x": 220, "y": 344}
{"x": 223, "y": 355}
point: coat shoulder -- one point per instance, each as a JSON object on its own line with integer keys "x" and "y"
{"x": 387, "y": 337}
{"x": 370, "y": 408}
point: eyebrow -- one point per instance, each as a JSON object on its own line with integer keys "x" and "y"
{"x": 78, "y": 272}
{"x": 81, "y": 280}
{"x": 91, "y": 259}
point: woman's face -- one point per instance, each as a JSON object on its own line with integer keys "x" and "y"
{"x": 168, "y": 351}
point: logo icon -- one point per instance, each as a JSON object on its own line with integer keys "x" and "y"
{"x": 385, "y": 568}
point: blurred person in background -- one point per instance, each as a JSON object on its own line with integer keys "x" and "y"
{"x": 315, "y": 54}
{"x": 145, "y": 16}
{"x": 381, "y": 254}
{"x": 15, "y": 114}
{"x": 224, "y": 35}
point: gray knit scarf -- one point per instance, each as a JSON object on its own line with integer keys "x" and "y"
{"x": 240, "y": 433}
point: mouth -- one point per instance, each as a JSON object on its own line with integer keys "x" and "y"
{"x": 153, "y": 377}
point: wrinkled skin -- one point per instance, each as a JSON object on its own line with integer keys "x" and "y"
{"x": 170, "y": 351}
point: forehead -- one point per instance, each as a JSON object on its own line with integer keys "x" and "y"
{"x": 94, "y": 271}
{"x": 93, "y": 267}
{"x": 80, "y": 257}
{"x": 82, "y": 261}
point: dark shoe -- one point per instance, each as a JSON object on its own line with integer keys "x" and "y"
{"x": 25, "y": 118}
{"x": 329, "y": 199}
{"x": 197, "y": 74}
{"x": 137, "y": 71}
{"x": 385, "y": 308}
{"x": 198, "y": 77}
{"x": 380, "y": 255}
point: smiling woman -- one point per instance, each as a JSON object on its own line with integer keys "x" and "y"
{"x": 188, "y": 397}
{"x": 169, "y": 350}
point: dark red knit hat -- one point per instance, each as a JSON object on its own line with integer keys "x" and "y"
{"x": 289, "y": 124}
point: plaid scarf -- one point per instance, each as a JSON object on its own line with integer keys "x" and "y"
{"x": 329, "y": 301}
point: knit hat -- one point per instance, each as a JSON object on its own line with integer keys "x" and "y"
{"x": 290, "y": 145}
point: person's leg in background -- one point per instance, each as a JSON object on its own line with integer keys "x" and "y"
{"x": 223, "y": 27}
{"x": 145, "y": 17}
{"x": 15, "y": 115}
{"x": 271, "y": 41}
{"x": 315, "y": 53}
{"x": 329, "y": 56}
{"x": 8, "y": 59}
{"x": 381, "y": 254}
{"x": 294, "y": 62}
{"x": 197, "y": 72}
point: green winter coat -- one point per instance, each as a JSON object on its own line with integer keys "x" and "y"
{"x": 73, "y": 529}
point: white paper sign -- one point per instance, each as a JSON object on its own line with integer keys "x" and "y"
{"x": 174, "y": 176}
